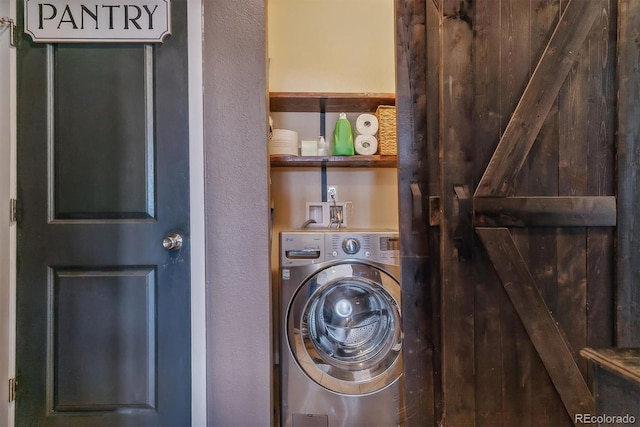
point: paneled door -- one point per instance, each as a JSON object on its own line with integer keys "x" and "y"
{"x": 103, "y": 283}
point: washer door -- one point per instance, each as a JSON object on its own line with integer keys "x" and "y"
{"x": 344, "y": 328}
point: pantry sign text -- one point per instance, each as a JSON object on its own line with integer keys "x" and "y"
{"x": 97, "y": 21}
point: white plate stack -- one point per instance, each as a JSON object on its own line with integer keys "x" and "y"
{"x": 283, "y": 142}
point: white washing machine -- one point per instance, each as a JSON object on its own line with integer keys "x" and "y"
{"x": 340, "y": 324}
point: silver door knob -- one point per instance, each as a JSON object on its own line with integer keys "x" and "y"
{"x": 172, "y": 242}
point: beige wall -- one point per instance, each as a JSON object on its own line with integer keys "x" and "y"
{"x": 331, "y": 45}
{"x": 369, "y": 208}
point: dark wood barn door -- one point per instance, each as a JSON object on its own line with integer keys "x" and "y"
{"x": 525, "y": 161}
{"x": 542, "y": 205}
{"x": 103, "y": 307}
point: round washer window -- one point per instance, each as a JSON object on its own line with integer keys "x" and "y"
{"x": 347, "y": 333}
{"x": 352, "y": 324}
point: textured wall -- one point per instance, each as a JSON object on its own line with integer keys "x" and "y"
{"x": 236, "y": 219}
{"x": 5, "y": 183}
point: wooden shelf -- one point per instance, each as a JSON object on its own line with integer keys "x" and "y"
{"x": 623, "y": 362}
{"x": 357, "y": 161}
{"x": 330, "y": 102}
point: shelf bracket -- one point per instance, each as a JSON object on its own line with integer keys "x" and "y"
{"x": 323, "y": 117}
{"x": 323, "y": 180}
{"x": 323, "y": 132}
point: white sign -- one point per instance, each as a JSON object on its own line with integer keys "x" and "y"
{"x": 97, "y": 21}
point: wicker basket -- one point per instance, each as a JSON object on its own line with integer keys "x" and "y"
{"x": 387, "y": 139}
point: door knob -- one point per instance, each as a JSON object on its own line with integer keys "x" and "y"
{"x": 172, "y": 242}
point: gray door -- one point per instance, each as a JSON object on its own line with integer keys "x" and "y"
{"x": 103, "y": 315}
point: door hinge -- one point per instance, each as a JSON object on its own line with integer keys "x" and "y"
{"x": 12, "y": 29}
{"x": 12, "y": 389}
{"x": 13, "y": 210}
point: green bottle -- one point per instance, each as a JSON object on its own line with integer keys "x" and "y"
{"x": 343, "y": 137}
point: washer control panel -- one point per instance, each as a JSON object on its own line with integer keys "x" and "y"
{"x": 310, "y": 247}
{"x": 373, "y": 246}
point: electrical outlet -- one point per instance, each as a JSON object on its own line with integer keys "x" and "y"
{"x": 336, "y": 214}
{"x": 327, "y": 214}
{"x": 332, "y": 193}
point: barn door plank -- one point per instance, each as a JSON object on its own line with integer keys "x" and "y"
{"x": 416, "y": 22}
{"x": 538, "y": 98}
{"x": 489, "y": 349}
{"x": 628, "y": 244}
{"x": 601, "y": 165}
{"x": 573, "y": 177}
{"x": 457, "y": 313}
{"x": 519, "y": 54}
{"x": 537, "y": 320}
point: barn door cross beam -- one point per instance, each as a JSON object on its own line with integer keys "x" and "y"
{"x": 545, "y": 211}
{"x": 537, "y": 320}
{"x": 538, "y": 97}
